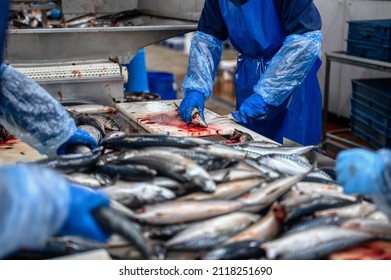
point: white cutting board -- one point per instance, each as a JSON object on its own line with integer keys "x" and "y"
{"x": 161, "y": 117}
{"x": 14, "y": 151}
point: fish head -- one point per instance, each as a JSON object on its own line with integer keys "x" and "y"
{"x": 197, "y": 120}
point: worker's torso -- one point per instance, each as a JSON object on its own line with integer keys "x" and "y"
{"x": 254, "y": 26}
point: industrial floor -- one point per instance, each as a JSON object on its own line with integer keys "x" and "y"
{"x": 159, "y": 58}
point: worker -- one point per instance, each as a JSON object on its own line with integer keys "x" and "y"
{"x": 366, "y": 173}
{"x": 36, "y": 203}
{"x": 279, "y": 42}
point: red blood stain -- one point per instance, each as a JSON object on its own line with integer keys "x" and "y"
{"x": 9, "y": 141}
{"x": 167, "y": 120}
{"x": 77, "y": 73}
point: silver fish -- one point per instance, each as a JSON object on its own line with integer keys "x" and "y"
{"x": 90, "y": 180}
{"x": 229, "y": 190}
{"x": 211, "y": 232}
{"x": 113, "y": 135}
{"x": 107, "y": 122}
{"x": 176, "y": 212}
{"x": 381, "y": 229}
{"x": 265, "y": 196}
{"x": 311, "y": 240}
{"x": 91, "y": 109}
{"x": 266, "y": 228}
{"x": 359, "y": 210}
{"x": 93, "y": 131}
{"x": 135, "y": 195}
{"x": 234, "y": 174}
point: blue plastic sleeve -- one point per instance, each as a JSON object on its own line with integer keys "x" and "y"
{"x": 382, "y": 194}
{"x": 31, "y": 113}
{"x": 204, "y": 59}
{"x": 34, "y": 204}
{"x": 289, "y": 67}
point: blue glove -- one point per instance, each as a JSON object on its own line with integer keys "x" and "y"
{"x": 253, "y": 107}
{"x": 361, "y": 171}
{"x": 80, "y": 221}
{"x": 81, "y": 137}
{"x": 193, "y": 99}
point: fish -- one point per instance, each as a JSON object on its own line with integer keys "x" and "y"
{"x": 55, "y": 247}
{"x": 242, "y": 250}
{"x": 79, "y": 20}
{"x": 212, "y": 232}
{"x": 72, "y": 162}
{"x": 127, "y": 172}
{"x": 265, "y": 196}
{"x": 314, "y": 243}
{"x": 93, "y": 132}
{"x": 380, "y": 229}
{"x": 229, "y": 190}
{"x": 291, "y": 165}
{"x": 176, "y": 212}
{"x": 91, "y": 109}
{"x": 94, "y": 180}
{"x": 87, "y": 120}
{"x": 234, "y": 174}
{"x": 113, "y": 135}
{"x": 173, "y": 166}
{"x": 311, "y": 223}
{"x": 134, "y": 195}
{"x": 306, "y": 205}
{"x": 138, "y": 141}
{"x": 107, "y": 122}
{"x": 113, "y": 221}
{"x": 266, "y": 228}
{"x": 197, "y": 120}
{"x": 359, "y": 210}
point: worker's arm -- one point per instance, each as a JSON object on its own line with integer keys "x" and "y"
{"x": 36, "y": 203}
{"x": 291, "y": 64}
{"x": 204, "y": 58}
{"x": 34, "y": 116}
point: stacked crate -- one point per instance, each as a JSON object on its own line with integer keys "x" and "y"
{"x": 370, "y": 39}
{"x": 370, "y": 116}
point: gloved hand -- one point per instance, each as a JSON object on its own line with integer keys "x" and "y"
{"x": 253, "y": 107}
{"x": 81, "y": 137}
{"x": 80, "y": 221}
{"x": 361, "y": 171}
{"x": 193, "y": 99}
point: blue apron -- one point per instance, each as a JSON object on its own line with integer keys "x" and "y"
{"x": 3, "y": 25}
{"x": 257, "y": 33}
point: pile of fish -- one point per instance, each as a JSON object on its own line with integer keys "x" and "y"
{"x": 181, "y": 197}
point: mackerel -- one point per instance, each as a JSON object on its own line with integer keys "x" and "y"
{"x": 311, "y": 240}
{"x": 212, "y": 232}
{"x": 91, "y": 109}
{"x": 176, "y": 212}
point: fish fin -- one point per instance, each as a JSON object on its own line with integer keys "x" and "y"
{"x": 319, "y": 147}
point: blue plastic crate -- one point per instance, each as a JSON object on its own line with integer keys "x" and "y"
{"x": 378, "y": 91}
{"x": 373, "y": 31}
{"x": 368, "y": 133}
{"x": 370, "y": 112}
{"x": 374, "y": 124}
{"x": 369, "y": 50}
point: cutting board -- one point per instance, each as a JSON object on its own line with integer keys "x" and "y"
{"x": 161, "y": 117}
{"x": 13, "y": 151}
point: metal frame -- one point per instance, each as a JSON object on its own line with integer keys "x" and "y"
{"x": 342, "y": 57}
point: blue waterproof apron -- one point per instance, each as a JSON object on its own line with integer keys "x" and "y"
{"x": 256, "y": 31}
{"x": 3, "y": 25}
